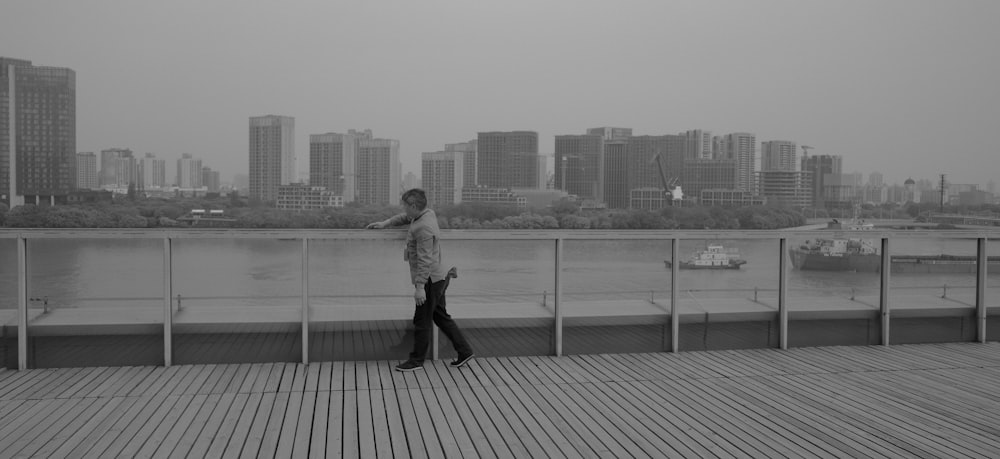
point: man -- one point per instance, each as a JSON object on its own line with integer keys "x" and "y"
{"x": 429, "y": 277}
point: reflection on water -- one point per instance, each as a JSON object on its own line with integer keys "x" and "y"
{"x": 82, "y": 273}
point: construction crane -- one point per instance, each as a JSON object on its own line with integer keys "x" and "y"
{"x": 670, "y": 188}
{"x": 805, "y": 150}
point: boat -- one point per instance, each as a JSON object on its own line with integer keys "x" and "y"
{"x": 714, "y": 256}
{"x": 839, "y": 254}
{"x": 863, "y": 255}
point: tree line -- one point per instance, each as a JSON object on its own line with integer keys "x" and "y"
{"x": 164, "y": 213}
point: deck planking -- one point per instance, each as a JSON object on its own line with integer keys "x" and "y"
{"x": 927, "y": 400}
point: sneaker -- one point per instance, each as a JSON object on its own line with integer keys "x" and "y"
{"x": 409, "y": 365}
{"x": 453, "y": 272}
{"x": 462, "y": 360}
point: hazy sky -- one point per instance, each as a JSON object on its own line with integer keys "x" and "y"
{"x": 905, "y": 87}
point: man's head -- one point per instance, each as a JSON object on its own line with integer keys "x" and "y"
{"x": 414, "y": 201}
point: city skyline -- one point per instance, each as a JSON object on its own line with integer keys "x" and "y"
{"x": 905, "y": 89}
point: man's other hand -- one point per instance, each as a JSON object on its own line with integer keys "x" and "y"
{"x": 419, "y": 295}
{"x": 376, "y": 225}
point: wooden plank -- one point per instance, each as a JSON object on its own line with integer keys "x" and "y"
{"x": 238, "y": 422}
{"x": 215, "y": 425}
{"x": 395, "y": 421}
{"x": 318, "y": 431}
{"x": 304, "y": 428}
{"x": 254, "y": 436}
{"x": 74, "y": 412}
{"x": 290, "y": 424}
{"x": 122, "y": 428}
{"x": 349, "y": 430}
{"x": 273, "y": 427}
{"x": 424, "y": 424}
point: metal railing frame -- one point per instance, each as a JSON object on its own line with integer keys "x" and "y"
{"x": 559, "y": 237}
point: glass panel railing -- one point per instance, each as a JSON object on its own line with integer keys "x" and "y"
{"x": 8, "y": 303}
{"x": 95, "y": 302}
{"x": 992, "y": 290}
{"x": 503, "y": 297}
{"x": 236, "y": 300}
{"x": 616, "y": 296}
{"x": 932, "y": 290}
{"x": 360, "y": 300}
{"x": 732, "y": 304}
{"x": 833, "y": 289}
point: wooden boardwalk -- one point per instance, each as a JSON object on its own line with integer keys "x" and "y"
{"x": 928, "y": 400}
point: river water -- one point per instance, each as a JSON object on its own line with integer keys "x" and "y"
{"x": 82, "y": 273}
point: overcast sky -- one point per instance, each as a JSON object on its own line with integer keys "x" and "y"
{"x": 905, "y": 87}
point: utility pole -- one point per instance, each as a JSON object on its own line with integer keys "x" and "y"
{"x": 942, "y": 192}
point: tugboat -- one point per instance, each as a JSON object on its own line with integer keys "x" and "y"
{"x": 713, "y": 257}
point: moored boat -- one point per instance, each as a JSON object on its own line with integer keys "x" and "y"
{"x": 714, "y": 256}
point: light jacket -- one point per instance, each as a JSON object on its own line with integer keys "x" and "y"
{"x": 423, "y": 246}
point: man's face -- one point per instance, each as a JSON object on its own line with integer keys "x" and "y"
{"x": 410, "y": 209}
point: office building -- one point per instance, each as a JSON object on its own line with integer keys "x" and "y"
{"x": 509, "y": 160}
{"x": 378, "y": 172}
{"x": 579, "y": 165}
{"x": 786, "y": 188}
{"x": 86, "y": 171}
{"x": 272, "y": 155}
{"x": 443, "y": 175}
{"x": 729, "y": 198}
{"x": 499, "y": 196}
{"x": 708, "y": 174}
{"x": 188, "y": 173}
{"x": 778, "y": 155}
{"x": 635, "y": 164}
{"x": 37, "y": 132}
{"x": 153, "y": 173}
{"x": 611, "y": 133}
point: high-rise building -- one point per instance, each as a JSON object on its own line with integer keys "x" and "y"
{"x": 631, "y": 169}
{"x": 272, "y": 155}
{"x": 332, "y": 162}
{"x": 443, "y": 176}
{"x": 742, "y": 147}
{"x": 86, "y": 171}
{"x": 825, "y": 170}
{"x": 378, "y": 171}
{"x": 778, "y": 155}
{"x": 469, "y": 150}
{"x": 153, "y": 172}
{"x": 698, "y": 144}
{"x": 37, "y": 131}
{"x": 410, "y": 181}
{"x": 875, "y": 179}
{"x": 118, "y": 169}
{"x": 357, "y": 166}
{"x": 509, "y": 160}
{"x": 611, "y": 133}
{"x": 188, "y": 172}
{"x": 579, "y": 165}
{"x": 210, "y": 180}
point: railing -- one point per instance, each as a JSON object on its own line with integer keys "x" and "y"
{"x": 559, "y": 307}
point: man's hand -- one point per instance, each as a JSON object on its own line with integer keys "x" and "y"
{"x": 419, "y": 295}
{"x": 376, "y": 225}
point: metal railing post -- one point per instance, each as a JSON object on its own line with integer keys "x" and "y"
{"x": 884, "y": 290}
{"x": 168, "y": 313}
{"x": 675, "y": 314}
{"x": 305, "y": 300}
{"x": 782, "y": 294}
{"x": 982, "y": 262}
{"x": 22, "y": 303}
{"x": 557, "y": 299}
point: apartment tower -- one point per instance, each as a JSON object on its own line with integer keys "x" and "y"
{"x": 272, "y": 155}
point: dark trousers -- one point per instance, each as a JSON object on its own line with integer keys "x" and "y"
{"x": 433, "y": 312}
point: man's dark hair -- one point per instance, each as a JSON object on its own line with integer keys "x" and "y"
{"x": 416, "y": 197}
